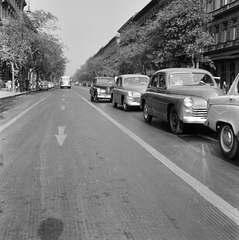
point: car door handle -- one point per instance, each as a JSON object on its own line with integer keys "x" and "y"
{"x": 232, "y": 98}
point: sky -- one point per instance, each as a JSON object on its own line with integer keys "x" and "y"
{"x": 87, "y": 25}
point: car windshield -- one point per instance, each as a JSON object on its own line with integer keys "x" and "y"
{"x": 105, "y": 81}
{"x": 177, "y": 79}
{"x": 136, "y": 81}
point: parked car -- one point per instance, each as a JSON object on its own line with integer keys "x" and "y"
{"x": 128, "y": 89}
{"x": 101, "y": 88}
{"x": 44, "y": 85}
{"x": 179, "y": 96}
{"x": 223, "y": 118}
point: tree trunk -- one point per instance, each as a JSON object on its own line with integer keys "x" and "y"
{"x": 13, "y": 77}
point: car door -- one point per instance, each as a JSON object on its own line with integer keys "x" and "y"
{"x": 151, "y": 90}
{"x": 233, "y": 104}
{"x": 159, "y": 100}
{"x": 117, "y": 90}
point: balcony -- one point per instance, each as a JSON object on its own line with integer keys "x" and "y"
{"x": 225, "y": 8}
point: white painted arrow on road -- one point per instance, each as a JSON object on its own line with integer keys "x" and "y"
{"x": 61, "y": 137}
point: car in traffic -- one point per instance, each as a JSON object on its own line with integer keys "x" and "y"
{"x": 223, "y": 118}
{"x": 179, "y": 96}
{"x": 43, "y": 85}
{"x": 101, "y": 88}
{"x": 128, "y": 90}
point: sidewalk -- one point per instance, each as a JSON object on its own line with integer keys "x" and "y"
{"x": 6, "y": 94}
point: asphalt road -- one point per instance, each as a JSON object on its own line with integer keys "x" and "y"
{"x": 71, "y": 169}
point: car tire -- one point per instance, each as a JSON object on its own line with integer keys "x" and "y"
{"x": 176, "y": 125}
{"x": 228, "y": 142}
{"x": 114, "y": 104}
{"x": 147, "y": 117}
{"x": 125, "y": 106}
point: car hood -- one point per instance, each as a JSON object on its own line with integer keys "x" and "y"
{"x": 204, "y": 92}
{"x": 140, "y": 89}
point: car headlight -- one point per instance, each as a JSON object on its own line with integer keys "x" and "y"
{"x": 130, "y": 94}
{"x": 188, "y": 102}
{"x": 98, "y": 90}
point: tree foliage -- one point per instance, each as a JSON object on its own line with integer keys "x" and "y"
{"x": 27, "y": 42}
{"x": 177, "y": 34}
{"x": 95, "y": 66}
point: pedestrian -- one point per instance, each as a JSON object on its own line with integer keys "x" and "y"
{"x": 9, "y": 85}
{"x": 224, "y": 87}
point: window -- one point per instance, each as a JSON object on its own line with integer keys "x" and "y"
{"x": 216, "y": 34}
{"x": 161, "y": 81}
{"x": 224, "y": 32}
{"x": 154, "y": 81}
{"x": 233, "y": 30}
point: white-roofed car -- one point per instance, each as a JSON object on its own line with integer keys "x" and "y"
{"x": 128, "y": 90}
{"x": 223, "y": 118}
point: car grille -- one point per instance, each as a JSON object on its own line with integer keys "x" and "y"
{"x": 200, "y": 112}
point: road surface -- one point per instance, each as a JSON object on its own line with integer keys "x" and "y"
{"x": 71, "y": 169}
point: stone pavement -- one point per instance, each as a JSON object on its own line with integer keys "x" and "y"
{"x": 6, "y": 94}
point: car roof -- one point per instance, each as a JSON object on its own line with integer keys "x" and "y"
{"x": 104, "y": 78}
{"x": 185, "y": 70}
{"x": 133, "y": 75}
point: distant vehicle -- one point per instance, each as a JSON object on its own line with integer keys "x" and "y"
{"x": 65, "y": 82}
{"x": 101, "y": 88}
{"x": 223, "y": 116}
{"x": 179, "y": 96}
{"x": 50, "y": 85}
{"x": 128, "y": 89}
{"x": 44, "y": 85}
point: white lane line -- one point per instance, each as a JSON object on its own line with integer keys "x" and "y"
{"x": 204, "y": 191}
{"x": 19, "y": 115}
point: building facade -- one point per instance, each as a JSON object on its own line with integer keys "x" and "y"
{"x": 9, "y": 8}
{"x": 225, "y": 28}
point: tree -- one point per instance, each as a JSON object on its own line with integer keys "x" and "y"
{"x": 27, "y": 43}
{"x": 180, "y": 29}
{"x": 179, "y": 32}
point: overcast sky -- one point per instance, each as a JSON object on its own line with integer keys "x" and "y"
{"x": 87, "y": 25}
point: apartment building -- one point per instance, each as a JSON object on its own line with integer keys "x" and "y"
{"x": 11, "y": 8}
{"x": 225, "y": 28}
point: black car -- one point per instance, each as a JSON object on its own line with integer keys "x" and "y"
{"x": 101, "y": 88}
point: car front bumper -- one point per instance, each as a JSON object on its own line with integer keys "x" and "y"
{"x": 197, "y": 120}
{"x": 133, "y": 102}
{"x": 104, "y": 96}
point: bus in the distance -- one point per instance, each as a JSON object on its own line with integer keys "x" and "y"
{"x": 65, "y": 82}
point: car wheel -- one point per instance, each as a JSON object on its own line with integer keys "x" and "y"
{"x": 95, "y": 98}
{"x": 176, "y": 125}
{"x": 147, "y": 117}
{"x": 114, "y": 104}
{"x": 125, "y": 106}
{"x": 228, "y": 142}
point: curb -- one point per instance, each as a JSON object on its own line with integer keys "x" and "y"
{"x": 18, "y": 94}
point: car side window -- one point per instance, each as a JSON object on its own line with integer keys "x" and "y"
{"x": 119, "y": 81}
{"x": 154, "y": 81}
{"x": 161, "y": 82}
